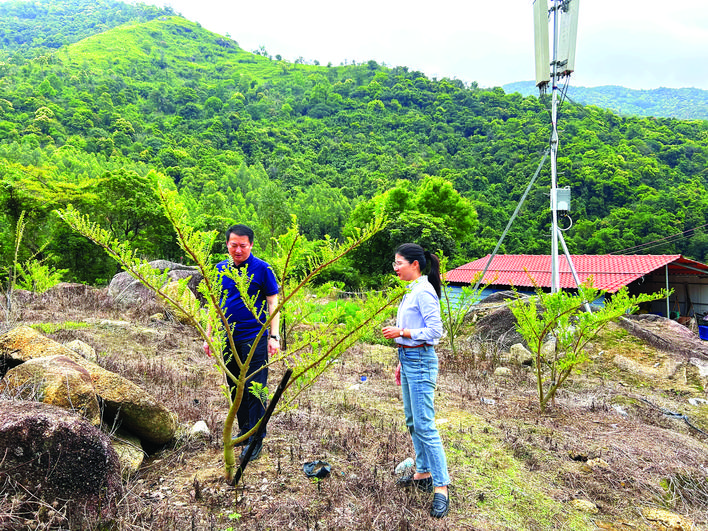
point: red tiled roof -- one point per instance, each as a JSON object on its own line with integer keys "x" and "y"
{"x": 609, "y": 272}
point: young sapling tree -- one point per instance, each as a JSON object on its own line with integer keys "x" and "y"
{"x": 310, "y": 350}
{"x": 454, "y": 310}
{"x": 562, "y": 316}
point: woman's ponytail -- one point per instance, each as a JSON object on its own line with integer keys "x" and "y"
{"x": 434, "y": 274}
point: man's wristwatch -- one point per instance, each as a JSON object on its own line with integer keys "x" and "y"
{"x": 400, "y": 333}
{"x": 273, "y": 336}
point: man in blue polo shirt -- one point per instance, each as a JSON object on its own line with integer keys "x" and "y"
{"x": 245, "y": 326}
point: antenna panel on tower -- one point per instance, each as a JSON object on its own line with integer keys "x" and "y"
{"x": 540, "y": 33}
{"x": 567, "y": 37}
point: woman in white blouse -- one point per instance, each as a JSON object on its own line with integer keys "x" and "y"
{"x": 418, "y": 329}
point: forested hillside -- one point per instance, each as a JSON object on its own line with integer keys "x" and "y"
{"x": 30, "y": 29}
{"x": 126, "y": 96}
{"x": 686, "y": 103}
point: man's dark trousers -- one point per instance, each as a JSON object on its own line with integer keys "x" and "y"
{"x": 251, "y": 409}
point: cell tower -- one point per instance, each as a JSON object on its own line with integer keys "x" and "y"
{"x": 564, "y": 14}
{"x": 564, "y": 17}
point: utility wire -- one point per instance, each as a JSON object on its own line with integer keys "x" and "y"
{"x": 659, "y": 241}
{"x": 651, "y": 245}
{"x": 511, "y": 220}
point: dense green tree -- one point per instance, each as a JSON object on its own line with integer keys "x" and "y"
{"x": 271, "y": 208}
{"x": 414, "y": 216}
{"x": 126, "y": 205}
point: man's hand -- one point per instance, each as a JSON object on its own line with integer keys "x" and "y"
{"x": 205, "y": 346}
{"x": 273, "y": 345}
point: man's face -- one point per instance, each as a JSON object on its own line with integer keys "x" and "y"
{"x": 239, "y": 248}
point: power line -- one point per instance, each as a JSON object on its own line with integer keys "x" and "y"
{"x": 655, "y": 243}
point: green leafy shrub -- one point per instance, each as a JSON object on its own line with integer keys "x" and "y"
{"x": 38, "y": 277}
{"x": 562, "y": 316}
{"x": 311, "y": 349}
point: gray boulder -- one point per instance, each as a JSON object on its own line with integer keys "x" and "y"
{"x": 56, "y": 454}
{"x": 500, "y": 296}
{"x": 502, "y": 371}
{"x": 54, "y": 380}
{"x": 126, "y": 291}
{"x": 135, "y": 409}
{"x": 520, "y": 354}
{"x": 500, "y": 327}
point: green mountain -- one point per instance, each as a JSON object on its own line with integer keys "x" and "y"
{"x": 147, "y": 96}
{"x": 684, "y": 103}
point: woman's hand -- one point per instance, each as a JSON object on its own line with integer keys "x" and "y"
{"x": 391, "y": 332}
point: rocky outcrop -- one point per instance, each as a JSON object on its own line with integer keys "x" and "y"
{"x": 86, "y": 351}
{"x": 500, "y": 296}
{"x": 173, "y": 291}
{"x": 135, "y": 409}
{"x": 56, "y": 454}
{"x": 500, "y": 327}
{"x": 126, "y": 291}
{"x": 665, "y": 334}
{"x": 55, "y": 380}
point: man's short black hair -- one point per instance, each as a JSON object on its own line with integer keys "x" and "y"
{"x": 240, "y": 230}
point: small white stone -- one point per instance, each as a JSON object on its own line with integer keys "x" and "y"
{"x": 502, "y": 371}
{"x": 619, "y": 409}
{"x": 200, "y": 428}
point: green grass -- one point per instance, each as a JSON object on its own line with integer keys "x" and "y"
{"x": 180, "y": 50}
{"x": 342, "y": 311}
{"x": 50, "y": 328}
{"x": 501, "y": 491}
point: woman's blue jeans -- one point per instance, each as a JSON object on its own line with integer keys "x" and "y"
{"x": 419, "y": 376}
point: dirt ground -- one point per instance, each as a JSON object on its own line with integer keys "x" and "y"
{"x": 622, "y": 437}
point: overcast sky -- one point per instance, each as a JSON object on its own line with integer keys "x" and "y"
{"x": 640, "y": 44}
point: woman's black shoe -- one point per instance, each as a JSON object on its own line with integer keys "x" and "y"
{"x": 425, "y": 484}
{"x": 441, "y": 505}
